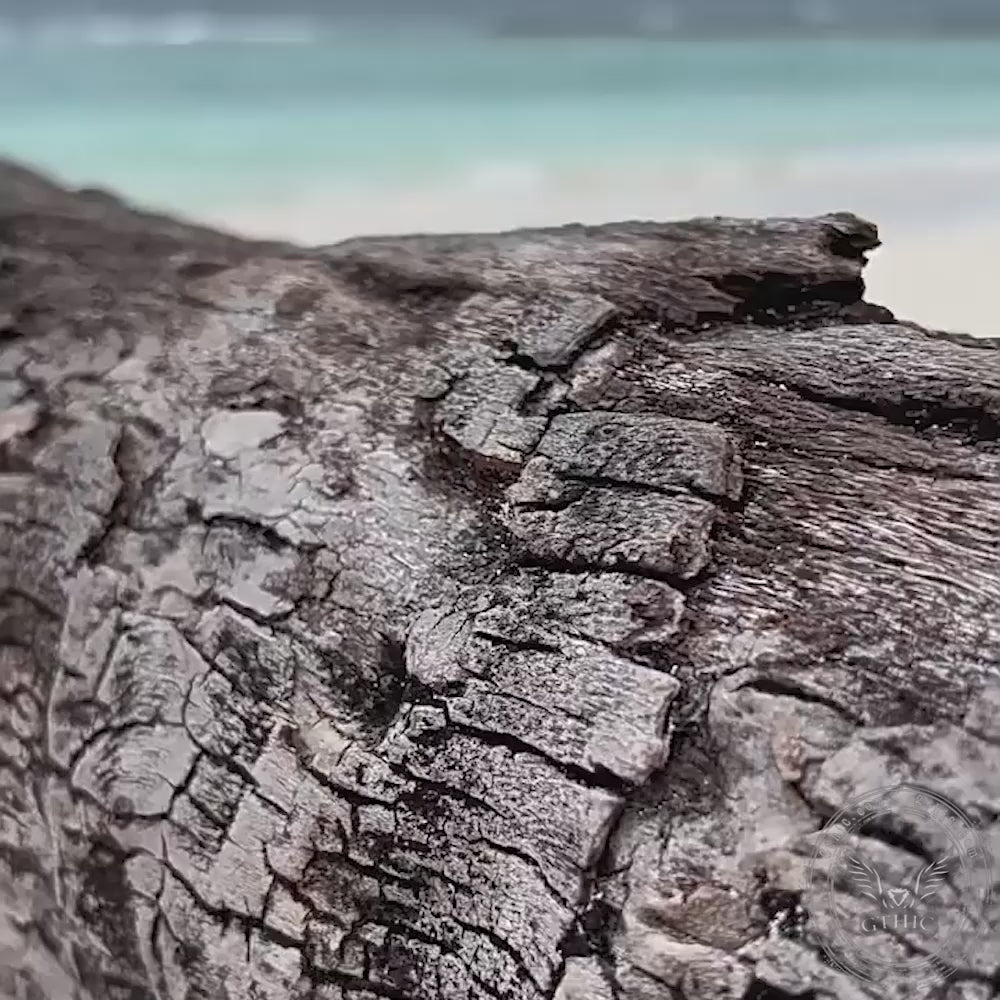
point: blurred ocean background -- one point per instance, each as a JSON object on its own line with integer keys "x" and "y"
{"x": 316, "y": 129}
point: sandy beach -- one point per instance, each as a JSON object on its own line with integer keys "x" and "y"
{"x": 939, "y": 218}
{"x": 942, "y": 277}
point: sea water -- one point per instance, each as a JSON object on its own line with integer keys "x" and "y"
{"x": 317, "y": 134}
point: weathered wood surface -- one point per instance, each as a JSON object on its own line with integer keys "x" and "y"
{"x": 490, "y": 616}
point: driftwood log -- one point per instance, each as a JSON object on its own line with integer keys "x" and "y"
{"x": 449, "y": 618}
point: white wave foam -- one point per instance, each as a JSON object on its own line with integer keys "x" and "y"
{"x": 504, "y": 176}
{"x": 906, "y": 191}
{"x": 901, "y": 159}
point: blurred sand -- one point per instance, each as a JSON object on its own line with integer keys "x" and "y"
{"x": 946, "y": 278}
{"x": 939, "y": 219}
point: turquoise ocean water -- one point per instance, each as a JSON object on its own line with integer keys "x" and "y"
{"x": 431, "y": 128}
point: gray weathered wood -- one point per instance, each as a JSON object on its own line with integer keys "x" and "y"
{"x": 463, "y": 617}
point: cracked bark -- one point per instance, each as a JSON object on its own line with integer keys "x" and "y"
{"x": 468, "y": 617}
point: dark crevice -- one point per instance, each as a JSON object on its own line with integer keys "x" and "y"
{"x": 503, "y": 946}
{"x": 972, "y": 423}
{"x": 899, "y": 839}
{"x": 692, "y": 783}
{"x": 531, "y": 862}
{"x": 935, "y": 469}
{"x": 234, "y": 393}
{"x": 448, "y": 466}
{"x": 517, "y": 645}
{"x": 92, "y": 551}
{"x": 229, "y": 763}
{"x": 264, "y": 621}
{"x": 321, "y": 861}
{"x": 770, "y": 297}
{"x": 551, "y": 506}
{"x": 784, "y": 912}
{"x": 358, "y": 985}
{"x": 678, "y": 491}
{"x": 408, "y": 930}
{"x": 433, "y": 295}
{"x": 761, "y": 990}
{"x": 113, "y": 730}
{"x": 590, "y": 936}
{"x": 594, "y": 339}
{"x": 429, "y": 793}
{"x": 517, "y": 359}
{"x": 954, "y": 337}
{"x": 596, "y": 777}
{"x": 227, "y": 918}
{"x": 774, "y": 299}
{"x": 784, "y": 688}
{"x": 345, "y": 792}
{"x": 540, "y": 401}
{"x": 264, "y": 533}
{"x": 570, "y": 566}
{"x": 130, "y": 462}
{"x": 595, "y": 921}
{"x": 626, "y": 486}
{"x": 43, "y": 610}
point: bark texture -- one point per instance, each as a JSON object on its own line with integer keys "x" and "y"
{"x": 452, "y": 618}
